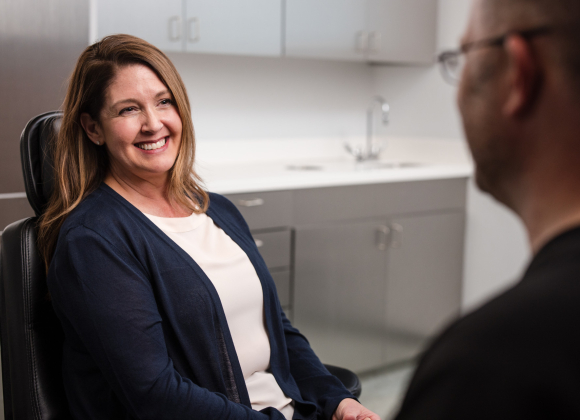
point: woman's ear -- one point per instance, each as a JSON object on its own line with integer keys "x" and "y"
{"x": 92, "y": 128}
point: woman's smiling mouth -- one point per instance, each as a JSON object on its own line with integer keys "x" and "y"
{"x": 152, "y": 146}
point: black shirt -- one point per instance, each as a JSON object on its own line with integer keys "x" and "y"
{"x": 517, "y": 357}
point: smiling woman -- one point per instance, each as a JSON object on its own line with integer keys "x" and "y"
{"x": 95, "y": 100}
{"x": 141, "y": 129}
{"x": 168, "y": 309}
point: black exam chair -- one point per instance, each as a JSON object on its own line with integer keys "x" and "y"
{"x": 30, "y": 333}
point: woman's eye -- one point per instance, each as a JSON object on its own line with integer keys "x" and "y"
{"x": 128, "y": 109}
{"x": 166, "y": 102}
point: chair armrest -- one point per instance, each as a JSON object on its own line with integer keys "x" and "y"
{"x": 348, "y": 378}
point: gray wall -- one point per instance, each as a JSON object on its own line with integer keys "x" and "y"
{"x": 39, "y": 44}
{"x": 40, "y": 41}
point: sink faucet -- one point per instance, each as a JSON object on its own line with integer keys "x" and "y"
{"x": 372, "y": 151}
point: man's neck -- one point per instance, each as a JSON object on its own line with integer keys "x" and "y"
{"x": 551, "y": 209}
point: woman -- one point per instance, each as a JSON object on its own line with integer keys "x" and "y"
{"x": 168, "y": 310}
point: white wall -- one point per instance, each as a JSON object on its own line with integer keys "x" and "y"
{"x": 423, "y": 104}
{"x": 254, "y": 97}
{"x": 249, "y": 97}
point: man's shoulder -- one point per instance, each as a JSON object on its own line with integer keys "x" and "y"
{"x": 520, "y": 324}
{"x": 511, "y": 358}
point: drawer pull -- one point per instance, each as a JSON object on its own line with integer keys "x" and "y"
{"x": 383, "y": 233}
{"x": 193, "y": 35}
{"x": 361, "y": 41}
{"x": 175, "y": 28}
{"x": 397, "y": 239}
{"x": 259, "y": 243}
{"x": 251, "y": 203}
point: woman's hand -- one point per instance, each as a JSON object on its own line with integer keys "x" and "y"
{"x": 350, "y": 409}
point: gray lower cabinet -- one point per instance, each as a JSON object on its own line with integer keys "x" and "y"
{"x": 339, "y": 293}
{"x": 275, "y": 246}
{"x": 269, "y": 216}
{"x": 424, "y": 280}
{"x": 371, "y": 293}
{"x": 369, "y": 273}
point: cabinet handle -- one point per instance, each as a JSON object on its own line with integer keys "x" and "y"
{"x": 194, "y": 21}
{"x": 383, "y": 233}
{"x": 259, "y": 243}
{"x": 174, "y": 28}
{"x": 375, "y": 39}
{"x": 361, "y": 41}
{"x": 251, "y": 203}
{"x": 396, "y": 236}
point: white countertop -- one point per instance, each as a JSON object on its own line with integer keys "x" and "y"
{"x": 241, "y": 166}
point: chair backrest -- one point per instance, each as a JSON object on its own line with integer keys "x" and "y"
{"x": 31, "y": 334}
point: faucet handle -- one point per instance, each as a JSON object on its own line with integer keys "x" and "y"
{"x": 375, "y": 151}
{"x": 356, "y": 151}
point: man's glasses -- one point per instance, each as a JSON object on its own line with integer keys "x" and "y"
{"x": 453, "y": 61}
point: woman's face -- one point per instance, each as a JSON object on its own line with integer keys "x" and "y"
{"x": 139, "y": 125}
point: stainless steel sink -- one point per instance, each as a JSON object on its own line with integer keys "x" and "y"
{"x": 305, "y": 168}
{"x": 395, "y": 165}
{"x": 353, "y": 166}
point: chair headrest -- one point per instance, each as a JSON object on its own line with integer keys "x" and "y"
{"x": 37, "y": 164}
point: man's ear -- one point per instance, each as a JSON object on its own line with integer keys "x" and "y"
{"x": 93, "y": 129}
{"x": 523, "y": 77}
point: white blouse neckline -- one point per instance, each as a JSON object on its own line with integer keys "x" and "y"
{"x": 178, "y": 224}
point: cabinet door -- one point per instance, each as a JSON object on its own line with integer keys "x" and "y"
{"x": 424, "y": 273}
{"x": 245, "y": 27}
{"x": 403, "y": 31}
{"x": 332, "y": 29}
{"x": 339, "y": 290}
{"x": 158, "y": 22}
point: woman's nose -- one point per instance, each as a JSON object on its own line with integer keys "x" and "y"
{"x": 152, "y": 122}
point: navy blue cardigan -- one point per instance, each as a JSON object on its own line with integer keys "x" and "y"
{"x": 146, "y": 336}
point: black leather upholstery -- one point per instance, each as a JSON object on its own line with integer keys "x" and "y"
{"x": 348, "y": 378}
{"x": 36, "y": 166}
{"x": 30, "y": 333}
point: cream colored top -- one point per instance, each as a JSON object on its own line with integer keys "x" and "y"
{"x": 240, "y": 291}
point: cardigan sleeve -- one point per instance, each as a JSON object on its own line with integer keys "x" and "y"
{"x": 315, "y": 382}
{"x": 104, "y": 296}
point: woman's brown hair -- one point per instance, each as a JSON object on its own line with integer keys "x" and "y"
{"x": 79, "y": 165}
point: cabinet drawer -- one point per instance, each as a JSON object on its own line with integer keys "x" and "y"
{"x": 282, "y": 281}
{"x": 274, "y": 247}
{"x": 265, "y": 209}
{"x": 322, "y": 205}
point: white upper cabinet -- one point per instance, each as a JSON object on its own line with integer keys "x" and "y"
{"x": 398, "y": 31}
{"x": 386, "y": 31}
{"x": 158, "y": 22}
{"x": 332, "y": 29}
{"x": 402, "y": 31}
{"x": 245, "y": 27}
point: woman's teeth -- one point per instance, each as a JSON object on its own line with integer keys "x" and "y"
{"x": 152, "y": 146}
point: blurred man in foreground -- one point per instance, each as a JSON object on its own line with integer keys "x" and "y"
{"x": 518, "y": 357}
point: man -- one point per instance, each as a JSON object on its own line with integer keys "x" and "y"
{"x": 518, "y": 357}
